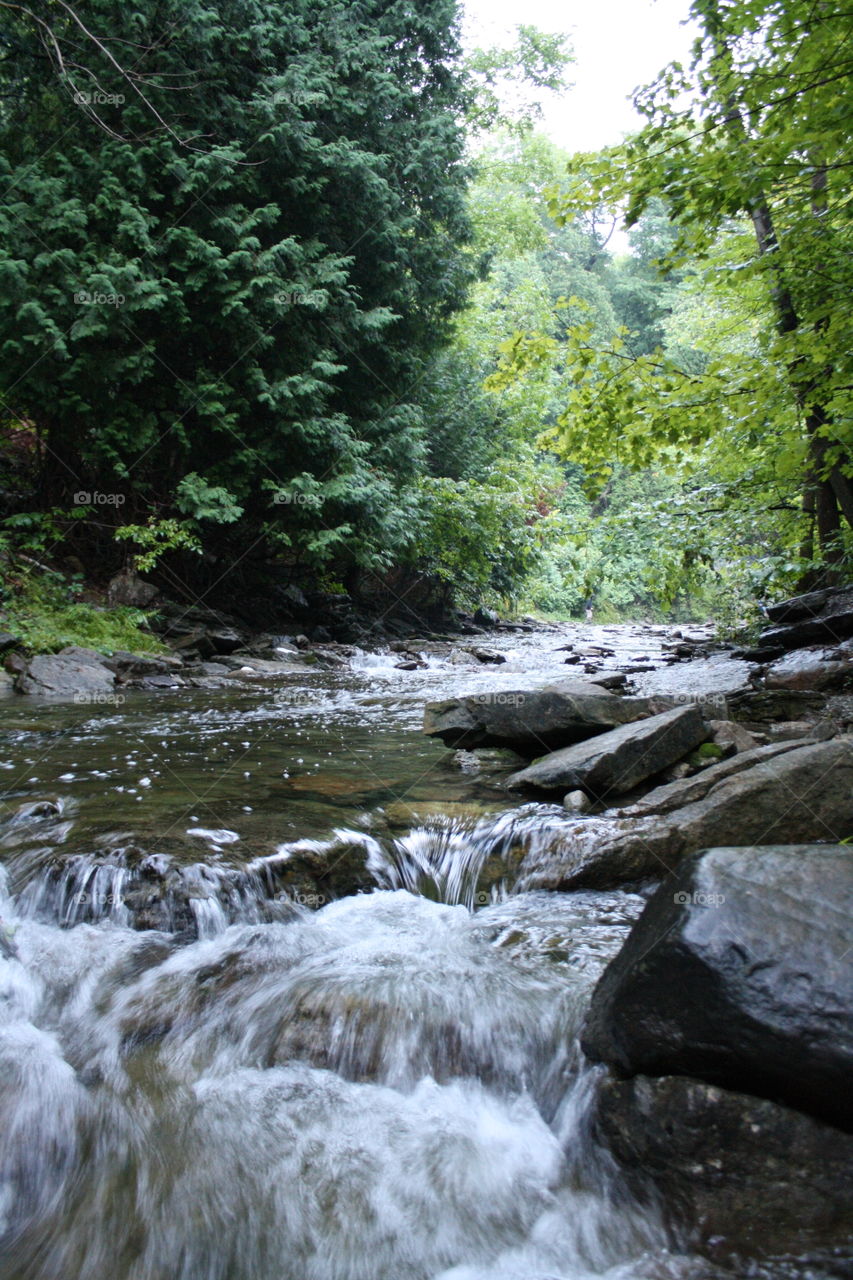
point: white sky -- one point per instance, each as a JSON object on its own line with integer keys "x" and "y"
{"x": 618, "y": 45}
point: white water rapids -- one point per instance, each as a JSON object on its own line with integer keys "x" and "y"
{"x": 384, "y": 1090}
{"x": 203, "y": 1079}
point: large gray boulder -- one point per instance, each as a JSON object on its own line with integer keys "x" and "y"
{"x": 787, "y": 792}
{"x": 532, "y": 720}
{"x": 819, "y": 617}
{"x": 76, "y": 673}
{"x": 742, "y": 1175}
{"x": 813, "y": 669}
{"x": 619, "y": 760}
{"x": 740, "y": 972}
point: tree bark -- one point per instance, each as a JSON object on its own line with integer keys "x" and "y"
{"x": 826, "y": 490}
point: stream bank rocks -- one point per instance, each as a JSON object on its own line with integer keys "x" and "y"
{"x": 84, "y": 675}
{"x": 72, "y": 671}
{"x": 617, "y": 761}
{"x": 740, "y": 973}
{"x": 533, "y": 720}
{"x": 740, "y": 1176}
{"x": 726, "y": 1022}
{"x": 818, "y": 617}
{"x": 791, "y": 792}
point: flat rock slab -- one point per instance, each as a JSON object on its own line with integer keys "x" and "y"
{"x": 740, "y": 1174}
{"x": 740, "y": 973}
{"x": 72, "y": 673}
{"x": 532, "y": 720}
{"x": 820, "y": 617}
{"x": 785, "y": 792}
{"x": 620, "y": 759}
{"x": 709, "y": 681}
{"x": 812, "y": 669}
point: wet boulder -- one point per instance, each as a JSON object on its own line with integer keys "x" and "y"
{"x": 532, "y": 720}
{"x": 741, "y": 1175}
{"x": 813, "y": 668}
{"x": 819, "y": 617}
{"x": 132, "y": 666}
{"x": 80, "y": 674}
{"x": 740, "y": 973}
{"x": 617, "y": 761}
{"x": 784, "y": 792}
{"x": 489, "y": 656}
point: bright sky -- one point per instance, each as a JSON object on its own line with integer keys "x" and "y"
{"x": 618, "y": 45}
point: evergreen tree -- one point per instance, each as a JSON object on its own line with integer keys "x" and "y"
{"x": 240, "y": 276}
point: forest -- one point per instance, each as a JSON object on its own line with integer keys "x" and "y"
{"x": 300, "y": 297}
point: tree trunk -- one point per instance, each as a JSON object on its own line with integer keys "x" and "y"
{"x": 826, "y": 490}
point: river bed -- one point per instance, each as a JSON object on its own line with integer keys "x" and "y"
{"x": 388, "y": 1087}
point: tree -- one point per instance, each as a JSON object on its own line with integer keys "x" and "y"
{"x": 765, "y": 136}
{"x": 254, "y": 309}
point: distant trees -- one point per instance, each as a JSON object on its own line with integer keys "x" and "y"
{"x": 756, "y": 132}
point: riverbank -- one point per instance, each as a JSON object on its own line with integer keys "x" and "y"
{"x": 268, "y": 947}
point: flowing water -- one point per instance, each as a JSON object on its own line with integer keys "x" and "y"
{"x": 205, "y": 1077}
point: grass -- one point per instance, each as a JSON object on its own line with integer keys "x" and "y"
{"x": 43, "y": 613}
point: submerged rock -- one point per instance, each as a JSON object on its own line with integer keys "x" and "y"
{"x": 740, "y": 973}
{"x": 617, "y": 761}
{"x": 742, "y": 1175}
{"x": 530, "y": 720}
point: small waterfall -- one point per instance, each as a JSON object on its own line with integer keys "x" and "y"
{"x": 475, "y": 863}
{"x": 386, "y": 1087}
{"x": 129, "y": 888}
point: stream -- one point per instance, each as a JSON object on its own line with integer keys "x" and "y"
{"x": 231, "y": 1080}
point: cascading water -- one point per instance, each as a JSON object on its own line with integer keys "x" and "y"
{"x": 202, "y": 1077}
{"x": 386, "y": 1088}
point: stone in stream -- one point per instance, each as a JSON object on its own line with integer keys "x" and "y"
{"x": 128, "y": 666}
{"x": 530, "y": 720}
{"x": 813, "y": 669}
{"x": 73, "y": 672}
{"x": 819, "y": 617}
{"x": 740, "y": 973}
{"x": 732, "y": 736}
{"x": 740, "y": 1174}
{"x": 784, "y": 792}
{"x": 617, "y": 761}
{"x": 576, "y": 802}
{"x": 493, "y": 656}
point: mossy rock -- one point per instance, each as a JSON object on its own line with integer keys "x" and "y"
{"x": 708, "y": 753}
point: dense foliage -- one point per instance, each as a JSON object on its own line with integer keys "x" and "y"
{"x": 755, "y": 172}
{"x": 264, "y": 304}
{"x": 243, "y": 300}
